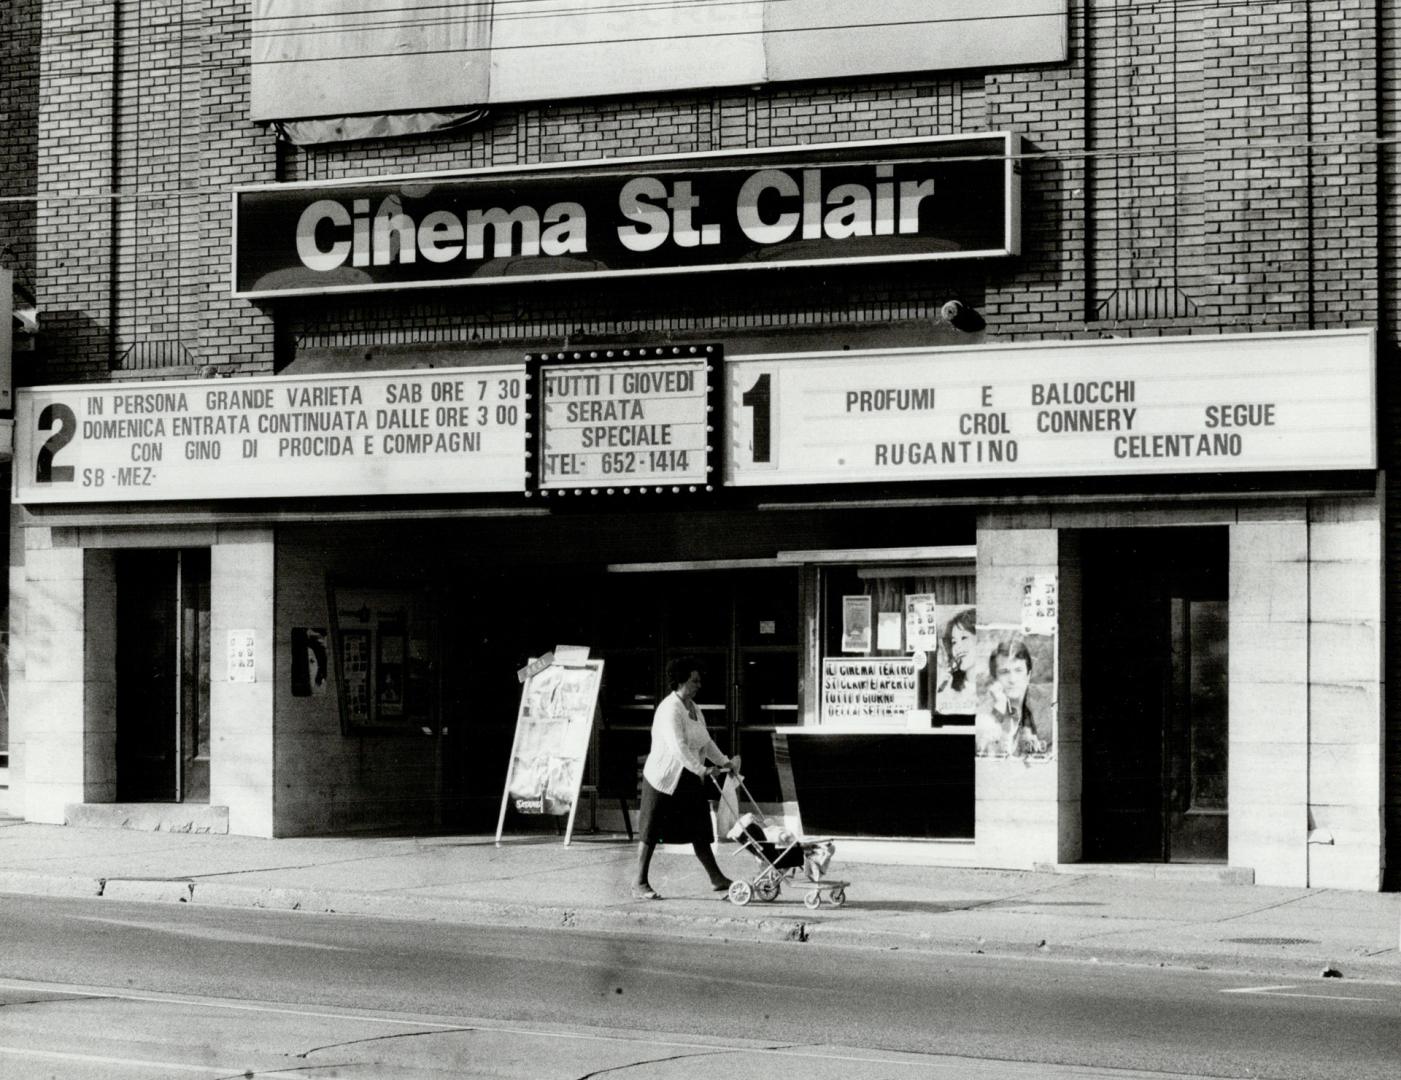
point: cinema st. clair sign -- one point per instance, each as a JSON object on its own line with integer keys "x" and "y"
{"x": 889, "y": 201}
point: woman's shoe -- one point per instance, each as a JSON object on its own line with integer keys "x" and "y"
{"x": 723, "y": 885}
{"x": 645, "y": 892}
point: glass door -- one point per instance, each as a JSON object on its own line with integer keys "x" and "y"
{"x": 192, "y": 780}
{"x": 1153, "y": 635}
{"x": 147, "y": 676}
{"x": 163, "y": 676}
{"x": 742, "y": 627}
{"x": 1194, "y": 784}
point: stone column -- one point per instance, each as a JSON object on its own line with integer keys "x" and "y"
{"x": 1346, "y": 781}
{"x": 241, "y": 773}
{"x": 1025, "y": 813}
{"x": 1268, "y": 699}
{"x": 47, "y": 750}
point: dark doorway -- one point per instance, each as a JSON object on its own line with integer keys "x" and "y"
{"x": 162, "y": 676}
{"x": 1154, "y": 631}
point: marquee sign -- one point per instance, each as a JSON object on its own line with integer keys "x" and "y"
{"x": 682, "y": 418}
{"x": 625, "y": 420}
{"x": 1260, "y": 402}
{"x": 847, "y": 203}
{"x": 409, "y": 432}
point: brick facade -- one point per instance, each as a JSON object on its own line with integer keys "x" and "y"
{"x": 1194, "y": 169}
{"x": 19, "y": 116}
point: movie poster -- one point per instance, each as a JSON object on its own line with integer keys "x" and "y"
{"x": 856, "y": 624}
{"x": 956, "y": 660}
{"x": 921, "y": 623}
{"x": 309, "y": 661}
{"x": 1016, "y": 715}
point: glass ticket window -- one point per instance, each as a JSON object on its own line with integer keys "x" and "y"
{"x": 888, "y": 748}
{"x": 898, "y": 646}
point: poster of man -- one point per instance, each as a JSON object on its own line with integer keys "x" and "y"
{"x": 1016, "y": 695}
{"x": 956, "y": 684}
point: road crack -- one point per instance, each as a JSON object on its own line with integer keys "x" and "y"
{"x": 717, "y": 1052}
{"x": 382, "y": 1038}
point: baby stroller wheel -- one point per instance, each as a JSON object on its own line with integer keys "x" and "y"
{"x": 740, "y": 892}
{"x": 766, "y": 889}
{"x": 837, "y": 897}
{"x": 812, "y": 899}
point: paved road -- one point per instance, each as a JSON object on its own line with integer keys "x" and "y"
{"x": 106, "y": 989}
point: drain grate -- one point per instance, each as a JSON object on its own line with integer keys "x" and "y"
{"x": 1270, "y": 941}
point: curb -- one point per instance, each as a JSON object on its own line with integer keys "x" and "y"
{"x": 488, "y": 913}
{"x": 630, "y": 919}
{"x": 28, "y": 882}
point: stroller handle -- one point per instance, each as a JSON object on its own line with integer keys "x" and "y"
{"x": 739, "y": 783}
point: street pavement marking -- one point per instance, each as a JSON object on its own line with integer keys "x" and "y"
{"x": 212, "y": 934}
{"x": 1256, "y": 989}
{"x": 1281, "y": 991}
{"x": 134, "y": 1063}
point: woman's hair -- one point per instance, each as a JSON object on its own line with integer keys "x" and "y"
{"x": 679, "y": 668}
{"x": 1013, "y": 648}
{"x": 967, "y": 621}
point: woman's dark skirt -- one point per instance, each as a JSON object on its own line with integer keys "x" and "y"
{"x": 683, "y": 817}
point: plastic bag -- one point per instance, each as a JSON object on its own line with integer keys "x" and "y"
{"x": 727, "y": 812}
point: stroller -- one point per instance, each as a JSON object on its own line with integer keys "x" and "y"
{"x": 779, "y": 857}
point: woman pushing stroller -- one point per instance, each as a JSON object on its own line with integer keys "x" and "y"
{"x": 674, "y": 800}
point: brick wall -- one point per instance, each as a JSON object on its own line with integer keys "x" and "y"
{"x": 1172, "y": 187}
{"x": 142, "y": 131}
{"x": 75, "y": 181}
{"x": 19, "y": 114}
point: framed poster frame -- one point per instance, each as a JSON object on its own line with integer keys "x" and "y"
{"x": 540, "y": 742}
{"x": 379, "y": 634}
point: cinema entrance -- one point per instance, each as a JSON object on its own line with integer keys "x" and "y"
{"x": 1154, "y": 681}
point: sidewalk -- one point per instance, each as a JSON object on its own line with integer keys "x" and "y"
{"x": 1168, "y": 916}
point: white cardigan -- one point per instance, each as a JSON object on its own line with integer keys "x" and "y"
{"x": 678, "y": 742}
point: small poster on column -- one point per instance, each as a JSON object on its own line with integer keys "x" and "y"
{"x": 1040, "y": 604}
{"x": 242, "y": 665}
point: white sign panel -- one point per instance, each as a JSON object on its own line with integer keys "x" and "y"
{"x": 341, "y": 57}
{"x": 406, "y": 432}
{"x": 882, "y": 690}
{"x": 1260, "y": 402}
{"x": 625, "y": 424}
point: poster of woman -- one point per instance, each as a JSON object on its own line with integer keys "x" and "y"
{"x": 956, "y": 684}
{"x": 1016, "y": 714}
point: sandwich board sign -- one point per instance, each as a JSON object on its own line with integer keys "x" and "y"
{"x": 554, "y": 726}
